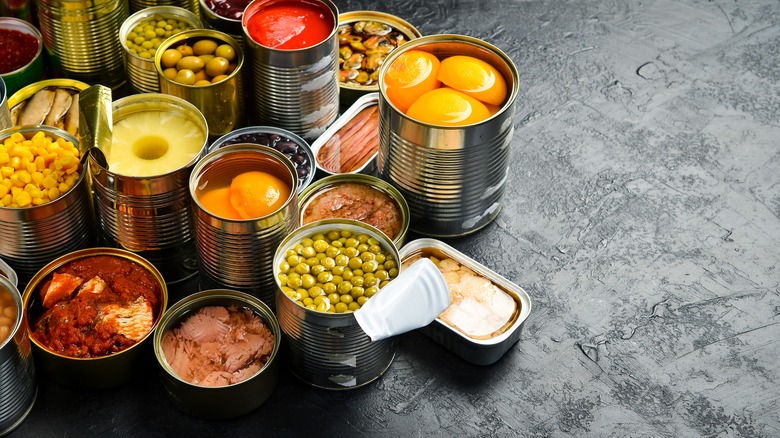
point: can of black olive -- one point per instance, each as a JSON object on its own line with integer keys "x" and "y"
{"x": 221, "y": 102}
{"x": 81, "y": 39}
{"x": 452, "y": 176}
{"x": 295, "y": 86}
{"x": 18, "y": 387}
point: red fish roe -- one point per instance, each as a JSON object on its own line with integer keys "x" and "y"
{"x": 17, "y": 49}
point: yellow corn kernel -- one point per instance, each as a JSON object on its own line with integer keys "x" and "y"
{"x": 7, "y": 183}
{"x": 16, "y": 190}
{"x": 31, "y": 167}
{"x": 37, "y": 178}
{"x": 46, "y": 172}
{"x": 17, "y": 181}
{"x": 6, "y": 201}
{"x": 23, "y": 176}
{"x": 16, "y": 162}
{"x": 49, "y": 182}
{"x": 6, "y": 171}
{"x": 5, "y": 158}
{"x": 23, "y": 199}
{"x": 40, "y": 163}
{"x": 63, "y": 187}
{"x": 39, "y": 201}
{"x": 3, "y": 190}
{"x": 68, "y": 161}
{"x": 53, "y": 193}
{"x": 17, "y": 137}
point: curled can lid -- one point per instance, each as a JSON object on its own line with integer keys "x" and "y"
{"x": 412, "y": 300}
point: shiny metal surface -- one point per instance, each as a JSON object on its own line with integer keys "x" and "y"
{"x": 190, "y": 5}
{"x": 5, "y": 111}
{"x": 453, "y": 177}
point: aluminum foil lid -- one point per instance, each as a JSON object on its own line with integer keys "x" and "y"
{"x": 412, "y": 300}
{"x": 95, "y": 122}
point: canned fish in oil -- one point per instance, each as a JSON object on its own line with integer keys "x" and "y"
{"x": 18, "y": 388}
{"x": 141, "y": 72}
{"x": 190, "y": 5}
{"x": 238, "y": 253}
{"x": 222, "y": 102}
{"x": 295, "y": 89}
{"x": 151, "y": 215}
{"x": 58, "y": 104}
{"x": 452, "y": 176}
{"x": 47, "y": 231}
{"x": 82, "y": 41}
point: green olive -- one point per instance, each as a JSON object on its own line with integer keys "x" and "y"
{"x": 170, "y": 73}
{"x": 226, "y": 51}
{"x": 185, "y": 76}
{"x": 185, "y": 50}
{"x": 190, "y": 63}
{"x": 219, "y": 78}
{"x": 170, "y": 57}
{"x": 204, "y": 47}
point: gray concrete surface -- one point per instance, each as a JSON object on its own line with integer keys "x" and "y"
{"x": 642, "y": 215}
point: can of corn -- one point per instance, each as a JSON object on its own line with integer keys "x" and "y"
{"x": 44, "y": 230}
{"x": 18, "y": 388}
{"x": 222, "y": 101}
{"x": 82, "y": 39}
{"x": 296, "y": 89}
{"x": 135, "y": 35}
{"x": 238, "y": 253}
{"x": 453, "y": 177}
{"x": 150, "y": 214}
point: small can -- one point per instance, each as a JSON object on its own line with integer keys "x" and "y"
{"x": 350, "y": 145}
{"x": 99, "y": 372}
{"x": 47, "y": 231}
{"x": 295, "y": 89}
{"x": 141, "y": 72}
{"x": 61, "y": 110}
{"x": 5, "y": 110}
{"x": 238, "y": 253}
{"x": 222, "y": 102}
{"x": 219, "y": 402}
{"x": 357, "y": 197}
{"x": 190, "y": 5}
{"x": 482, "y": 350}
{"x": 18, "y": 387}
{"x": 330, "y": 350}
{"x": 150, "y": 215}
{"x": 81, "y": 39}
{"x": 229, "y": 25}
{"x": 453, "y": 177}
{"x": 359, "y": 65}
{"x": 291, "y": 145}
{"x": 34, "y": 69}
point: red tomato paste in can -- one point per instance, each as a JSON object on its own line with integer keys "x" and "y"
{"x": 291, "y": 24}
{"x": 17, "y": 49}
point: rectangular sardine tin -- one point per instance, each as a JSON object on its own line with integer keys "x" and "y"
{"x": 475, "y": 351}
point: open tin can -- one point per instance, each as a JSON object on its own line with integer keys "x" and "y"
{"x": 141, "y": 72}
{"x": 44, "y": 232}
{"x": 5, "y": 111}
{"x": 62, "y": 110}
{"x": 34, "y": 69}
{"x": 18, "y": 388}
{"x": 477, "y": 349}
{"x": 190, "y": 5}
{"x": 452, "y": 176}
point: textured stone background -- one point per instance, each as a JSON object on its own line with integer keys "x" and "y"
{"x": 642, "y": 215}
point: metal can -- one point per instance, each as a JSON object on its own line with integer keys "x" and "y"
{"x": 452, "y": 177}
{"x": 141, "y": 72}
{"x": 150, "y": 215}
{"x": 375, "y": 190}
{"x": 190, "y": 5}
{"x": 351, "y": 89}
{"x": 5, "y": 110}
{"x": 294, "y": 89}
{"x": 33, "y": 70}
{"x": 221, "y": 402}
{"x": 69, "y": 121}
{"x": 330, "y": 350}
{"x": 230, "y": 26}
{"x": 18, "y": 388}
{"x": 82, "y": 41}
{"x": 47, "y": 231}
{"x": 238, "y": 253}
{"x": 222, "y": 103}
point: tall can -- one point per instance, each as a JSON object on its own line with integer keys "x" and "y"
{"x": 46, "y": 231}
{"x": 238, "y": 253}
{"x": 453, "y": 177}
{"x": 150, "y": 214}
{"x": 141, "y": 72}
{"x": 82, "y": 39}
{"x": 190, "y": 5}
{"x": 295, "y": 83}
{"x": 18, "y": 388}
{"x": 330, "y": 350}
{"x": 222, "y": 100}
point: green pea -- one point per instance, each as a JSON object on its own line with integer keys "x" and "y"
{"x": 342, "y": 260}
{"x": 336, "y": 279}
{"x": 347, "y": 275}
{"x": 347, "y": 298}
{"x": 358, "y": 272}
{"x": 362, "y": 248}
{"x": 373, "y": 241}
{"x": 328, "y": 263}
{"x": 363, "y": 238}
{"x": 303, "y": 293}
{"x": 307, "y": 241}
{"x": 369, "y": 266}
{"x": 344, "y": 287}
{"x": 380, "y": 258}
{"x": 324, "y": 277}
{"x": 355, "y": 263}
{"x": 370, "y": 280}
{"x": 341, "y": 307}
{"x": 332, "y": 251}
{"x": 367, "y": 256}
{"x": 308, "y": 251}
{"x": 318, "y": 236}
{"x": 334, "y": 297}
{"x": 375, "y": 249}
{"x": 353, "y": 306}
{"x": 302, "y": 268}
{"x": 393, "y": 272}
{"x": 381, "y": 274}
{"x": 321, "y": 245}
{"x": 352, "y": 243}
{"x": 357, "y": 291}
{"x": 316, "y": 291}
{"x": 294, "y": 282}
{"x": 312, "y": 261}
{"x": 346, "y": 233}
{"x": 370, "y": 291}
{"x": 338, "y": 270}
{"x": 361, "y": 300}
{"x": 337, "y": 244}
{"x": 333, "y": 235}
{"x": 390, "y": 264}
{"x": 294, "y": 260}
{"x": 350, "y": 252}
{"x": 329, "y": 288}
{"x": 308, "y": 280}
{"x": 319, "y": 299}
{"x": 282, "y": 279}
{"x": 357, "y": 281}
